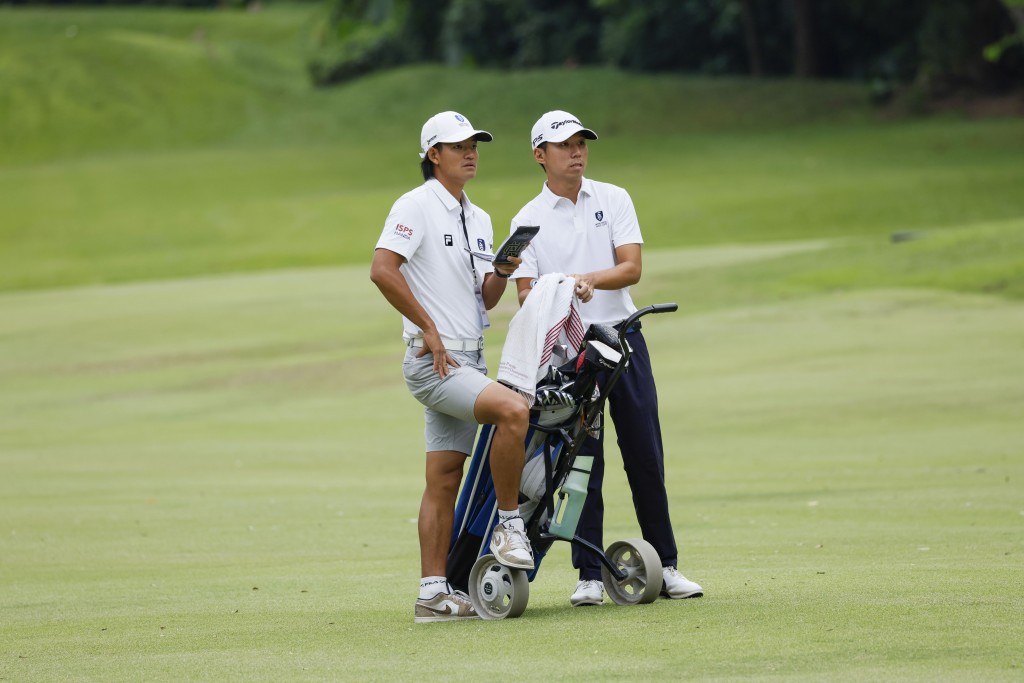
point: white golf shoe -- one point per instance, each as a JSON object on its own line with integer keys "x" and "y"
{"x": 677, "y": 586}
{"x": 588, "y": 593}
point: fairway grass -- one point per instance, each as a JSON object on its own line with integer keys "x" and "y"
{"x": 217, "y": 479}
{"x": 123, "y": 218}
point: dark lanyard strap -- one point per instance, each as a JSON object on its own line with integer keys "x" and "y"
{"x": 465, "y": 233}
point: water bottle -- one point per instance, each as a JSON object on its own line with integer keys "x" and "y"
{"x": 571, "y": 497}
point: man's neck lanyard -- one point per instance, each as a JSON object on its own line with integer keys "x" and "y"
{"x": 469, "y": 247}
{"x": 478, "y": 290}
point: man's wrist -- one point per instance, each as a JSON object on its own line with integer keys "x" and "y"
{"x": 503, "y": 277}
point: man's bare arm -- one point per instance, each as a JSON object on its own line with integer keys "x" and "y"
{"x": 385, "y": 273}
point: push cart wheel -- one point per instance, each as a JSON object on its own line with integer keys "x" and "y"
{"x": 642, "y": 566}
{"x": 498, "y": 591}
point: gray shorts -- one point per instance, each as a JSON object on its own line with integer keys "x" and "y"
{"x": 450, "y": 422}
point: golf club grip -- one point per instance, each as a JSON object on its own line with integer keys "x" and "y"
{"x": 664, "y": 308}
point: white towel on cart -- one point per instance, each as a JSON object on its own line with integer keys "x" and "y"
{"x": 550, "y": 311}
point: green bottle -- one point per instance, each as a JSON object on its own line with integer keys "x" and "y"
{"x": 571, "y": 497}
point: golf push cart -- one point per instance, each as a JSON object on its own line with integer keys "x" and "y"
{"x": 569, "y": 406}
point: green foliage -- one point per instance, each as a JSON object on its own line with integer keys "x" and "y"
{"x": 995, "y": 51}
{"x": 885, "y": 42}
{"x": 355, "y": 37}
{"x": 521, "y": 33}
{"x": 945, "y": 47}
{"x": 366, "y": 50}
{"x": 672, "y": 35}
{"x": 358, "y": 37}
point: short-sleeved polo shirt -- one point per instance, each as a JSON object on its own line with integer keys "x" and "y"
{"x": 425, "y": 227}
{"x": 581, "y": 238}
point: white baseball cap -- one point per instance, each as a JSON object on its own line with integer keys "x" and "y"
{"x": 449, "y": 126}
{"x": 556, "y": 126}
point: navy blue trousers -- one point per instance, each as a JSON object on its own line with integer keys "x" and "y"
{"x": 634, "y": 411}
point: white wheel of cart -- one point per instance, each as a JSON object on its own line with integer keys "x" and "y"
{"x": 642, "y": 566}
{"x": 498, "y": 591}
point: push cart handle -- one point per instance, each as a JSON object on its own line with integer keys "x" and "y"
{"x": 628, "y": 322}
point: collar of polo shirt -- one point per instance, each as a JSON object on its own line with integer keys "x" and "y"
{"x": 586, "y": 187}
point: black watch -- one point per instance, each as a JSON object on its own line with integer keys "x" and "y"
{"x": 503, "y": 277}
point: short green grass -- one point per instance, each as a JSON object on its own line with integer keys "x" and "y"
{"x": 213, "y": 476}
{"x": 217, "y": 478}
{"x": 98, "y": 80}
{"x": 982, "y": 258}
{"x": 164, "y": 214}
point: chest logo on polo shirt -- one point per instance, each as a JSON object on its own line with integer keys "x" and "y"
{"x": 447, "y": 240}
{"x": 599, "y": 215}
{"x": 601, "y": 222}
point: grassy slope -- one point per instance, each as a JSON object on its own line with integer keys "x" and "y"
{"x": 142, "y": 151}
{"x": 982, "y": 258}
{"x": 80, "y": 81}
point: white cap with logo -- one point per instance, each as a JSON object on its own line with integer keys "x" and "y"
{"x": 556, "y": 126}
{"x": 449, "y": 126}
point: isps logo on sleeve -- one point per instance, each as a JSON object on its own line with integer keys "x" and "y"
{"x": 403, "y": 231}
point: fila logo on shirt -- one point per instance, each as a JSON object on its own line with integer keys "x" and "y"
{"x": 447, "y": 240}
{"x": 601, "y": 222}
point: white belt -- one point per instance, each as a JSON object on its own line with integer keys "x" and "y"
{"x": 451, "y": 344}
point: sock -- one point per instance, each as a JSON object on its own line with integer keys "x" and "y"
{"x": 432, "y": 585}
{"x": 513, "y": 519}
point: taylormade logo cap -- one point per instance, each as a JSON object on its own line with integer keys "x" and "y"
{"x": 556, "y": 126}
{"x": 449, "y": 126}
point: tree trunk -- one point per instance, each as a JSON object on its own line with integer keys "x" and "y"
{"x": 805, "y": 63}
{"x": 751, "y": 38}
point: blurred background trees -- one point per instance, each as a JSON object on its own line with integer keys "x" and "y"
{"x": 939, "y": 46}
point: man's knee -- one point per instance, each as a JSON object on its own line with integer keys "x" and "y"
{"x": 504, "y": 408}
{"x": 516, "y": 410}
{"x": 444, "y": 472}
{"x": 514, "y": 416}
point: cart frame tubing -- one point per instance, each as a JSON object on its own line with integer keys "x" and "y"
{"x": 560, "y": 433}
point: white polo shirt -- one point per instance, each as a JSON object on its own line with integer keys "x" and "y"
{"x": 581, "y": 238}
{"x": 425, "y": 227}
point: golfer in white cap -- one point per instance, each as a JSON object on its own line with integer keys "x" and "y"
{"x": 425, "y": 267}
{"x": 590, "y": 229}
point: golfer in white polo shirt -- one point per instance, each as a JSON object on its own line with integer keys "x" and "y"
{"x": 590, "y": 230}
{"x": 424, "y": 267}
